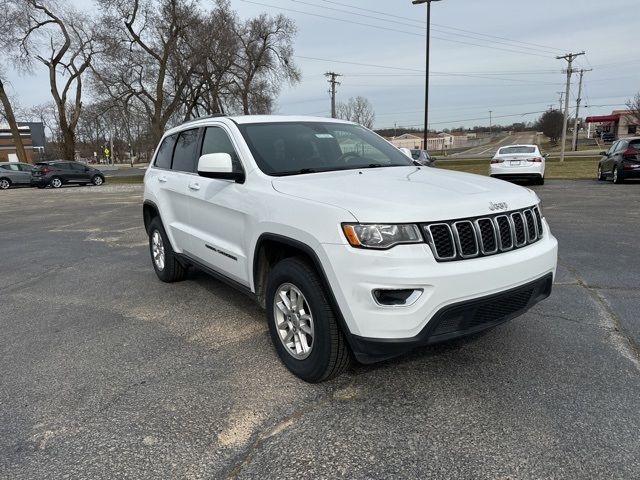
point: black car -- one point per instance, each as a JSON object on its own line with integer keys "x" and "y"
{"x": 621, "y": 161}
{"x": 56, "y": 173}
{"x": 608, "y": 137}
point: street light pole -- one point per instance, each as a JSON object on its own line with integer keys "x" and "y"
{"x": 426, "y": 88}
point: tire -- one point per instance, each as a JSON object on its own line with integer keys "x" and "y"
{"x": 328, "y": 354}
{"x": 5, "y": 183}
{"x": 616, "y": 177}
{"x": 601, "y": 176}
{"x": 55, "y": 182}
{"x": 540, "y": 181}
{"x": 97, "y": 180}
{"x": 164, "y": 260}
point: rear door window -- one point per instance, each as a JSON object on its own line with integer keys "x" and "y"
{"x": 184, "y": 155}
{"x": 163, "y": 157}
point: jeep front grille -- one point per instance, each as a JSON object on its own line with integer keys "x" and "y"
{"x": 466, "y": 238}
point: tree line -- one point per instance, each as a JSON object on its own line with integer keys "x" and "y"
{"x": 144, "y": 65}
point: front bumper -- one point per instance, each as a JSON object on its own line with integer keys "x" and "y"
{"x": 458, "y": 320}
{"x": 354, "y": 274}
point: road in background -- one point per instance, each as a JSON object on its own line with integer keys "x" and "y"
{"x": 109, "y": 373}
{"x": 487, "y": 151}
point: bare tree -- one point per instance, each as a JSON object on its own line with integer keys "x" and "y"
{"x": 7, "y": 112}
{"x": 634, "y": 108}
{"x": 264, "y": 62}
{"x": 61, "y": 39}
{"x": 147, "y": 56}
{"x": 358, "y": 110}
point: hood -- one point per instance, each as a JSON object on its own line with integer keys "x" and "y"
{"x": 406, "y": 194}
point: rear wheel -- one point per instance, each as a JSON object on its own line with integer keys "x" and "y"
{"x": 5, "y": 183}
{"x": 303, "y": 324}
{"x": 55, "y": 182}
{"x": 616, "y": 176}
{"x": 165, "y": 261}
{"x": 601, "y": 176}
{"x": 540, "y": 181}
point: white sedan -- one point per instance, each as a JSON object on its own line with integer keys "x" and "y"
{"x": 518, "y": 162}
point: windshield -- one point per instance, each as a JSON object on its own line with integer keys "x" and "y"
{"x": 289, "y": 148}
{"x": 510, "y": 150}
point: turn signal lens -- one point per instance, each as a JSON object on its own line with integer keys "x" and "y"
{"x": 536, "y": 160}
{"x": 380, "y": 236}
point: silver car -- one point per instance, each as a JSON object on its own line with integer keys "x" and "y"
{"x": 14, "y": 173}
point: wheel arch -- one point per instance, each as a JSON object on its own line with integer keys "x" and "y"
{"x": 149, "y": 212}
{"x": 271, "y": 248}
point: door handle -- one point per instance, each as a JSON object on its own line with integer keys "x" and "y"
{"x": 194, "y": 186}
{"x": 162, "y": 179}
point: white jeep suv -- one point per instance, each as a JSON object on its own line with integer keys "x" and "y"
{"x": 352, "y": 248}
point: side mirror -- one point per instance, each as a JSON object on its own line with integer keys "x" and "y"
{"x": 218, "y": 165}
{"x": 546, "y": 155}
{"x": 602, "y": 153}
{"x": 433, "y": 159}
{"x": 407, "y": 152}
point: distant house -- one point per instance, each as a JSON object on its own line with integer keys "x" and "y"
{"x": 33, "y": 139}
{"x": 435, "y": 142}
{"x": 622, "y": 123}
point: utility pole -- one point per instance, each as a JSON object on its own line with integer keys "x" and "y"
{"x": 490, "y": 126}
{"x": 426, "y": 86}
{"x": 332, "y": 81}
{"x": 569, "y": 57}
{"x": 560, "y": 102}
{"x": 575, "y": 122}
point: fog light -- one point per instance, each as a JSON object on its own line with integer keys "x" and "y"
{"x": 396, "y": 298}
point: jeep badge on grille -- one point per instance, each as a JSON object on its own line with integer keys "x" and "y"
{"x": 498, "y": 206}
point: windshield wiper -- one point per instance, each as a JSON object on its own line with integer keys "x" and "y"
{"x": 302, "y": 171}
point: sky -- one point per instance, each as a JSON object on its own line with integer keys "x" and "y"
{"x": 497, "y": 55}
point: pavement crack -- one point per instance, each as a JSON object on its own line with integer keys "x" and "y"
{"x": 623, "y": 342}
{"x": 334, "y": 395}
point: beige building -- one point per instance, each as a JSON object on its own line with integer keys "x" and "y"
{"x": 622, "y": 123}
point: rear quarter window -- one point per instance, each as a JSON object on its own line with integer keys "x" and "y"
{"x": 165, "y": 152}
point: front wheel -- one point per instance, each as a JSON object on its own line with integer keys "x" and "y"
{"x": 4, "y": 183}
{"x": 302, "y": 323}
{"x": 97, "y": 180}
{"x": 601, "y": 176}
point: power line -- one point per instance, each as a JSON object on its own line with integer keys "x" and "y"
{"x": 377, "y": 27}
{"x": 440, "y": 25}
{"x": 473, "y": 35}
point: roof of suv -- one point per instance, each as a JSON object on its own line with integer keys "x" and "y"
{"x": 246, "y": 119}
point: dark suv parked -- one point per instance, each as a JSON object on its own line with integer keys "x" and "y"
{"x": 58, "y": 172}
{"x": 621, "y": 161}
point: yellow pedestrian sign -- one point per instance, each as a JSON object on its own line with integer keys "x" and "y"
{"x": 106, "y": 151}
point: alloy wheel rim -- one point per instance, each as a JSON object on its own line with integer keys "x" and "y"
{"x": 97, "y": 181}
{"x": 4, "y": 184}
{"x": 56, "y": 183}
{"x": 157, "y": 250}
{"x": 294, "y": 321}
{"x": 615, "y": 175}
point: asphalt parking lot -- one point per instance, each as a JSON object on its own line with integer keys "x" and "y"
{"x": 109, "y": 373}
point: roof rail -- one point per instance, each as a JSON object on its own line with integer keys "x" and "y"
{"x": 215, "y": 115}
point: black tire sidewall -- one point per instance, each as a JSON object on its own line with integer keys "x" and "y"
{"x": 168, "y": 274}
{"x": 294, "y": 271}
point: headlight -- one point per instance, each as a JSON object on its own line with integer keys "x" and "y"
{"x": 380, "y": 236}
